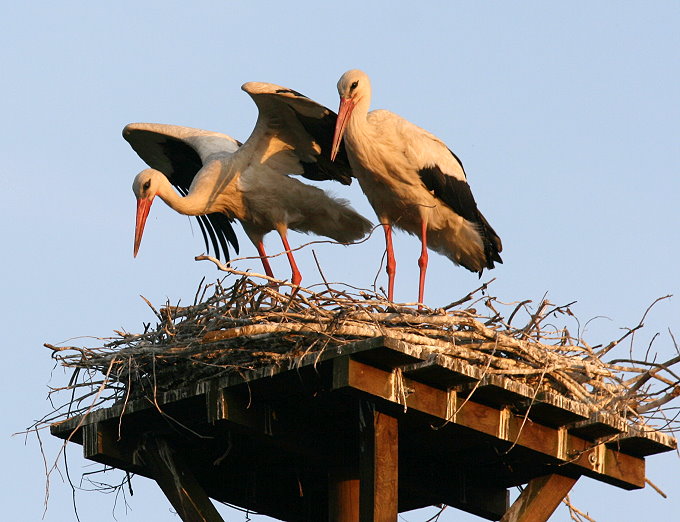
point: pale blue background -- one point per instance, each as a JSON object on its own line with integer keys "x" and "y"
{"x": 566, "y": 118}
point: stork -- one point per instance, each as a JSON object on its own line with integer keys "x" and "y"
{"x": 413, "y": 182}
{"x": 220, "y": 179}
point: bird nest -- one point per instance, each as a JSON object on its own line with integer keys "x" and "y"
{"x": 243, "y": 325}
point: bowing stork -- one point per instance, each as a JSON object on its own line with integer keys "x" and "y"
{"x": 220, "y": 179}
{"x": 413, "y": 181}
{"x": 173, "y": 152}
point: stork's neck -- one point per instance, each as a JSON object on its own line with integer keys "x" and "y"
{"x": 194, "y": 204}
{"x": 360, "y": 133}
{"x": 358, "y": 128}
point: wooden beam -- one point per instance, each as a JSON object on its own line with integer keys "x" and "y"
{"x": 557, "y": 445}
{"x": 484, "y": 501}
{"x": 176, "y": 480}
{"x": 378, "y": 466}
{"x": 539, "y": 499}
{"x": 101, "y": 444}
{"x": 343, "y": 496}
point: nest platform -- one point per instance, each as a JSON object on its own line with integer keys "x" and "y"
{"x": 331, "y": 406}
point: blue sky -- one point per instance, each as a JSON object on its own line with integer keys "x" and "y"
{"x": 565, "y": 117}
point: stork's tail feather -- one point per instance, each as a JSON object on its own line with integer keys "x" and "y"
{"x": 342, "y": 223}
{"x": 473, "y": 245}
{"x": 492, "y": 244}
{"x": 328, "y": 216}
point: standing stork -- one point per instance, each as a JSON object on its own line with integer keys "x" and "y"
{"x": 413, "y": 181}
{"x": 220, "y": 179}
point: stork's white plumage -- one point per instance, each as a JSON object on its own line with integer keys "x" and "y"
{"x": 413, "y": 181}
{"x": 221, "y": 180}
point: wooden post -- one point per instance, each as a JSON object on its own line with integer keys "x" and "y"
{"x": 378, "y": 467}
{"x": 177, "y": 482}
{"x": 539, "y": 499}
{"x": 343, "y": 496}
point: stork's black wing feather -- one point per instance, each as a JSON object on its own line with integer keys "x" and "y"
{"x": 322, "y": 129}
{"x": 203, "y": 226}
{"x": 225, "y": 232}
{"x": 172, "y": 156}
{"x": 456, "y": 194}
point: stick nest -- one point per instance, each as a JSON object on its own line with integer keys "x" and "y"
{"x": 247, "y": 325}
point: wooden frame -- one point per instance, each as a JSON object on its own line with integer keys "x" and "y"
{"x": 363, "y": 433}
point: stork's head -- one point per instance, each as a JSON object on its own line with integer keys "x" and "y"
{"x": 354, "y": 84}
{"x": 145, "y": 186}
{"x": 354, "y": 87}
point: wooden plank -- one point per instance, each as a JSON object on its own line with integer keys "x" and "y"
{"x": 68, "y": 429}
{"x": 378, "y": 467}
{"x": 539, "y": 499}
{"x": 101, "y": 444}
{"x": 176, "y": 480}
{"x": 599, "y": 425}
{"x": 495, "y": 390}
{"x": 388, "y": 353}
{"x": 553, "y": 410}
{"x": 557, "y": 446}
{"x": 442, "y": 372}
{"x": 643, "y": 443}
{"x": 343, "y": 496}
{"x": 176, "y": 400}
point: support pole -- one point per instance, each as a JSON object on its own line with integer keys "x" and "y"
{"x": 539, "y": 499}
{"x": 177, "y": 482}
{"x": 343, "y": 496}
{"x": 378, "y": 467}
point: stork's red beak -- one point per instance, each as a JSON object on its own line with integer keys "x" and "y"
{"x": 344, "y": 112}
{"x": 143, "y": 206}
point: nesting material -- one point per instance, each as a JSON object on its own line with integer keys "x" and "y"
{"x": 237, "y": 325}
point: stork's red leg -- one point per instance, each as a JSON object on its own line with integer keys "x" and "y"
{"x": 296, "y": 277}
{"x": 264, "y": 258}
{"x": 391, "y": 262}
{"x": 422, "y": 260}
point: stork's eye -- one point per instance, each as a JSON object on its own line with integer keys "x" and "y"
{"x": 147, "y": 184}
{"x": 354, "y": 85}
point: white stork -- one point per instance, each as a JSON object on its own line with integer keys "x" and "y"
{"x": 413, "y": 181}
{"x": 220, "y": 180}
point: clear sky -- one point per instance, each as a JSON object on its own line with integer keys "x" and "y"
{"x": 566, "y": 118}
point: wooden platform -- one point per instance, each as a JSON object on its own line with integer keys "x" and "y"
{"x": 363, "y": 432}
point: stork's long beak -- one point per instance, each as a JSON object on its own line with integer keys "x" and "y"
{"x": 344, "y": 112}
{"x": 143, "y": 207}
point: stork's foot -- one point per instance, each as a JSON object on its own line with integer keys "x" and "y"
{"x": 294, "y": 291}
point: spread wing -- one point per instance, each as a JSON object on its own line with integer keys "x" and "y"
{"x": 294, "y": 134}
{"x": 179, "y": 153}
